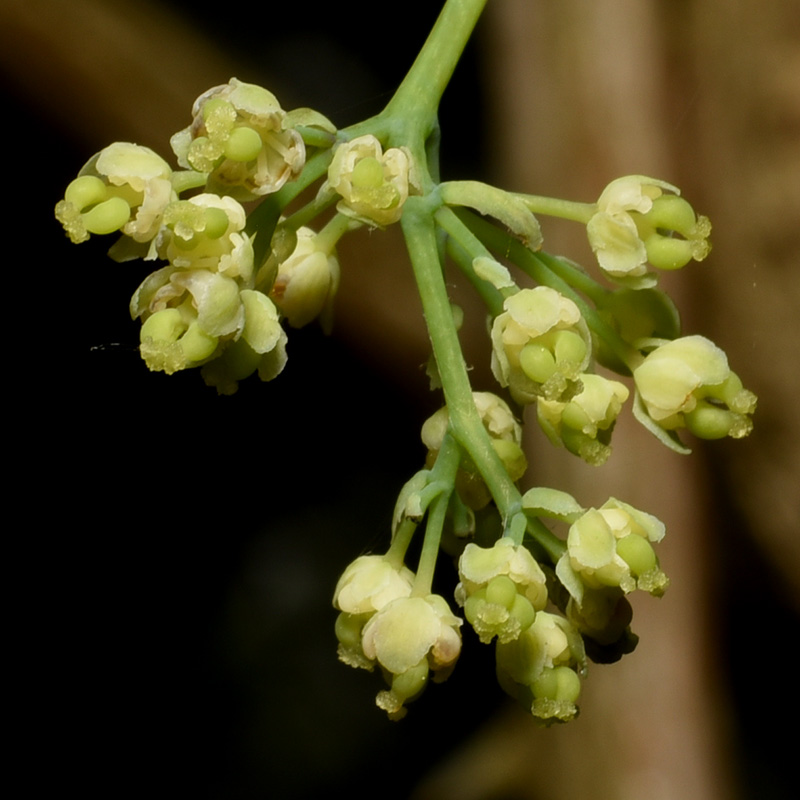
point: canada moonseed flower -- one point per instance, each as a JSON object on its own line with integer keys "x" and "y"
{"x": 237, "y": 136}
{"x": 688, "y": 383}
{"x": 540, "y": 345}
{"x": 206, "y": 232}
{"x": 542, "y": 668}
{"x": 612, "y": 547}
{"x": 637, "y": 222}
{"x": 584, "y": 424}
{"x": 370, "y": 583}
{"x": 373, "y": 184}
{"x": 124, "y": 187}
{"x": 501, "y": 589}
{"x": 407, "y": 638}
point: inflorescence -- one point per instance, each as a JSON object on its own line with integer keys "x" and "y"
{"x": 227, "y": 280}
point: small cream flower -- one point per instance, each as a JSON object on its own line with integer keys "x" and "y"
{"x": 206, "y": 232}
{"x": 367, "y": 585}
{"x": 501, "y": 589}
{"x": 124, "y": 187}
{"x": 184, "y": 314}
{"x": 237, "y": 136}
{"x": 374, "y": 185}
{"x": 610, "y": 547}
{"x": 540, "y": 345}
{"x": 407, "y": 638}
{"x": 628, "y": 230}
{"x": 370, "y": 583}
{"x": 585, "y": 423}
{"x": 688, "y": 383}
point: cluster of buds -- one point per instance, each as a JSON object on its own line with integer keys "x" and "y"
{"x": 227, "y": 283}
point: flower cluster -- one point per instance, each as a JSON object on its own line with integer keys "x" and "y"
{"x": 210, "y": 305}
{"x": 229, "y": 278}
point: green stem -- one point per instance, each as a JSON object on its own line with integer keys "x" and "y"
{"x": 554, "y": 207}
{"x": 574, "y": 276}
{"x": 423, "y": 86}
{"x": 465, "y": 422}
{"x": 546, "y": 539}
{"x": 444, "y": 473}
{"x": 464, "y": 247}
{"x": 396, "y": 553}
{"x": 333, "y": 231}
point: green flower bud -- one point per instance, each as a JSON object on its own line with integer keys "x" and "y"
{"x": 306, "y": 283}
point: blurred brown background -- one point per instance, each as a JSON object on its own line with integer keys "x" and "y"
{"x": 195, "y": 615}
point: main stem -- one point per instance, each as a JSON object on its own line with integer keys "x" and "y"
{"x": 423, "y": 86}
{"x": 465, "y": 422}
